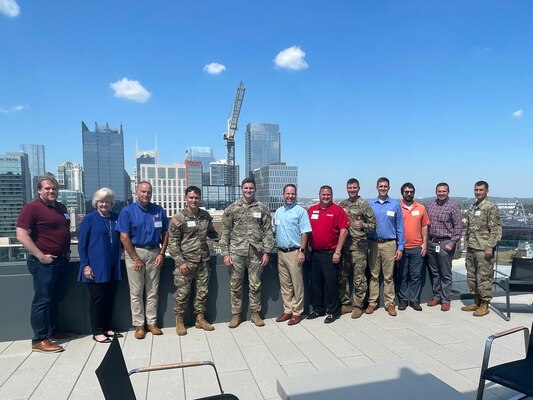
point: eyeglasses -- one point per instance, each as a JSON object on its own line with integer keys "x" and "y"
{"x": 409, "y": 191}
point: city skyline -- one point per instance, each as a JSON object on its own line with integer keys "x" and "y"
{"x": 415, "y": 91}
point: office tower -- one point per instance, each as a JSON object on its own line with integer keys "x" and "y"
{"x": 193, "y": 173}
{"x": 220, "y": 173}
{"x": 144, "y": 157}
{"x": 15, "y": 190}
{"x": 70, "y": 176}
{"x": 74, "y": 200}
{"x": 203, "y": 154}
{"x": 270, "y": 181}
{"x": 103, "y": 163}
{"x": 168, "y": 185}
{"x": 36, "y": 161}
{"x": 263, "y": 146}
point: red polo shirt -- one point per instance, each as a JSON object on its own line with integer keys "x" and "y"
{"x": 326, "y": 224}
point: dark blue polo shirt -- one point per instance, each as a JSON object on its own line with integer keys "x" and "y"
{"x": 145, "y": 227}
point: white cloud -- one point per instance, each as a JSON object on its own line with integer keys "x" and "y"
{"x": 17, "y": 108}
{"x": 291, "y": 58}
{"x": 130, "y": 90}
{"x": 9, "y": 8}
{"x": 214, "y": 68}
{"x": 518, "y": 113}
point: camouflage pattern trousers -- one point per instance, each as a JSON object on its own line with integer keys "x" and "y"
{"x": 252, "y": 264}
{"x": 199, "y": 273}
{"x": 479, "y": 273}
{"x": 356, "y": 260}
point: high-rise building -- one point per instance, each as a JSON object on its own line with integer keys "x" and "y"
{"x": 36, "y": 161}
{"x": 270, "y": 180}
{"x": 70, "y": 176}
{"x": 75, "y": 203}
{"x": 103, "y": 163}
{"x": 193, "y": 173}
{"x": 168, "y": 185}
{"x": 205, "y": 155}
{"x": 15, "y": 190}
{"x": 263, "y": 146}
{"x": 220, "y": 171}
{"x": 144, "y": 157}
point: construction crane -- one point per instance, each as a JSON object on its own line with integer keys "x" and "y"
{"x": 229, "y": 137}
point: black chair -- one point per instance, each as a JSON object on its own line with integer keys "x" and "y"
{"x": 519, "y": 280}
{"x": 516, "y": 375}
{"x": 115, "y": 381}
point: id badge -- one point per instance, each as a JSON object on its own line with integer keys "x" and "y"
{"x": 437, "y": 248}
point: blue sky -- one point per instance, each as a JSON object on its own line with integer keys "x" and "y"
{"x": 419, "y": 91}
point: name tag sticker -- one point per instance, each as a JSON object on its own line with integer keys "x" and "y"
{"x": 314, "y": 216}
{"x": 191, "y": 224}
{"x": 67, "y": 216}
{"x": 277, "y": 222}
{"x": 390, "y": 213}
{"x": 477, "y": 213}
{"x": 158, "y": 224}
{"x": 415, "y": 212}
{"x": 316, "y": 212}
{"x": 257, "y": 215}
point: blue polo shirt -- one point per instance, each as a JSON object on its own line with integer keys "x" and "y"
{"x": 389, "y": 221}
{"x": 289, "y": 223}
{"x": 145, "y": 227}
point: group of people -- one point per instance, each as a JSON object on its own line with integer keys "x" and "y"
{"x": 379, "y": 238}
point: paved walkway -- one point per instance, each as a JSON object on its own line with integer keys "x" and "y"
{"x": 249, "y": 359}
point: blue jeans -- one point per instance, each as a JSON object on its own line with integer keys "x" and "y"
{"x": 49, "y": 285}
{"x": 410, "y": 275}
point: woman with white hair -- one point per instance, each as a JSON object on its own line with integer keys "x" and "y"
{"x": 99, "y": 248}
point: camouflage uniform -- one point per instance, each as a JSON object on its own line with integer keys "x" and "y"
{"x": 483, "y": 231}
{"x": 246, "y": 235}
{"x": 187, "y": 244}
{"x": 355, "y": 251}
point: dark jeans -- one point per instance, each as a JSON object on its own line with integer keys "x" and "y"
{"x": 49, "y": 285}
{"x": 101, "y": 300}
{"x": 410, "y": 275}
{"x": 440, "y": 271}
{"x": 324, "y": 285}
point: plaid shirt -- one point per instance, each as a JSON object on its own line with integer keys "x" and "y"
{"x": 445, "y": 217}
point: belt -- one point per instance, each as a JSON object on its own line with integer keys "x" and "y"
{"x": 439, "y": 239}
{"x": 287, "y": 250}
{"x": 147, "y": 246}
{"x": 382, "y": 240}
{"x": 323, "y": 251}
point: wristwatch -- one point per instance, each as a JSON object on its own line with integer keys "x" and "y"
{"x": 302, "y": 250}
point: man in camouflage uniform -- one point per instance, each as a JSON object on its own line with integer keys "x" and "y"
{"x": 246, "y": 242}
{"x": 483, "y": 231}
{"x": 355, "y": 250}
{"x": 189, "y": 230}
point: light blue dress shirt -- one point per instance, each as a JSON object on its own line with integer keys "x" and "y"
{"x": 289, "y": 223}
{"x": 389, "y": 221}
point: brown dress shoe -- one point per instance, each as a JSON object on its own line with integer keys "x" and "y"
{"x": 295, "y": 319}
{"x": 46, "y": 346}
{"x": 370, "y": 309}
{"x": 433, "y": 302}
{"x": 284, "y": 317}
{"x": 391, "y": 310}
{"x": 140, "y": 333}
{"x": 154, "y": 329}
{"x": 445, "y": 307}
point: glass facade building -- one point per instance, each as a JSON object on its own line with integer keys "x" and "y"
{"x": 36, "y": 162}
{"x": 270, "y": 181}
{"x": 103, "y": 163}
{"x": 70, "y": 176}
{"x": 263, "y": 146}
{"x": 15, "y": 190}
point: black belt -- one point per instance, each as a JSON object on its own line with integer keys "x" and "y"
{"x": 147, "y": 246}
{"x": 382, "y": 240}
{"x": 287, "y": 250}
{"x": 323, "y": 251}
{"x": 439, "y": 239}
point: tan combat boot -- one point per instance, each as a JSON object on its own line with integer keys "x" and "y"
{"x": 180, "y": 327}
{"x": 472, "y": 307}
{"x": 346, "y": 308}
{"x": 256, "y": 319}
{"x": 482, "y": 310}
{"x": 357, "y": 312}
{"x": 201, "y": 323}
{"x": 235, "y": 321}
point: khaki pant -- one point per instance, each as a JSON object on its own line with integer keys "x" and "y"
{"x": 291, "y": 282}
{"x": 381, "y": 260}
{"x": 145, "y": 281}
{"x": 479, "y": 274}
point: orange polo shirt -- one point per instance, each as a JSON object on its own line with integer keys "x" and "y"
{"x": 413, "y": 221}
